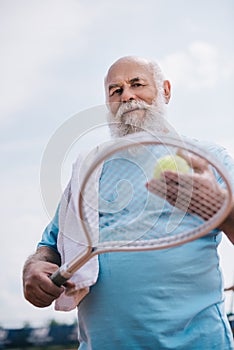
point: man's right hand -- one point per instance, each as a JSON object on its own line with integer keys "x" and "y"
{"x": 38, "y": 287}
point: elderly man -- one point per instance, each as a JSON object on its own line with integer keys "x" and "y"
{"x": 169, "y": 299}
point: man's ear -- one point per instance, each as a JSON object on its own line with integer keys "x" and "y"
{"x": 167, "y": 90}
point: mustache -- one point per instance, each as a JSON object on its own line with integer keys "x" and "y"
{"x": 131, "y": 106}
{"x": 121, "y": 124}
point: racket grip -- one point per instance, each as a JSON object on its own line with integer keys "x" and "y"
{"x": 60, "y": 276}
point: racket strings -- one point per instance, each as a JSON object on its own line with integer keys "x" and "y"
{"x": 131, "y": 216}
{"x": 189, "y": 196}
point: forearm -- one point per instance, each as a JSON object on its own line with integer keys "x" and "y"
{"x": 45, "y": 254}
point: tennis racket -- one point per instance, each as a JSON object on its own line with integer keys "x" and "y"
{"x": 148, "y": 192}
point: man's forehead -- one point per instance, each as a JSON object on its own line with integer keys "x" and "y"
{"x": 128, "y": 71}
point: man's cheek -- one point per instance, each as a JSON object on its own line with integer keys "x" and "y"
{"x": 113, "y": 107}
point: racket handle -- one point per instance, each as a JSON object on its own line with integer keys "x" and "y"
{"x": 60, "y": 276}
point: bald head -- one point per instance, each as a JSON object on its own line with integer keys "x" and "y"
{"x": 123, "y": 64}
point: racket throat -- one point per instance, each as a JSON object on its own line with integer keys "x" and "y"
{"x": 76, "y": 263}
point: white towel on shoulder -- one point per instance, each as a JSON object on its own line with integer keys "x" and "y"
{"x": 71, "y": 238}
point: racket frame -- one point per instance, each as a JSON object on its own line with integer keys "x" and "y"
{"x": 67, "y": 270}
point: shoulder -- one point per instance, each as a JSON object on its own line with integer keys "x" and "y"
{"x": 218, "y": 153}
{"x": 213, "y": 148}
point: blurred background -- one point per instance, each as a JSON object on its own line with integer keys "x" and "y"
{"x": 54, "y": 56}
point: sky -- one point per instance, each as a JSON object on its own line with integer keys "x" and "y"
{"x": 54, "y": 56}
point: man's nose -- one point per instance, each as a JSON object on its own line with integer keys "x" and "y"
{"x": 127, "y": 95}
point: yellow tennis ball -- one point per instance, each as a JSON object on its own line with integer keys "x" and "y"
{"x": 171, "y": 162}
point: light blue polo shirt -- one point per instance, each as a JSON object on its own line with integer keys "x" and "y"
{"x": 156, "y": 300}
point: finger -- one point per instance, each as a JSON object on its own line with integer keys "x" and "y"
{"x": 70, "y": 288}
{"x": 38, "y": 297}
{"x": 42, "y": 302}
{"x": 69, "y": 284}
{"x": 157, "y": 187}
{"x": 188, "y": 193}
{"x": 48, "y": 287}
{"x": 197, "y": 163}
{"x": 194, "y": 194}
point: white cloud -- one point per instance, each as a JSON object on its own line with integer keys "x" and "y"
{"x": 34, "y": 35}
{"x": 200, "y": 65}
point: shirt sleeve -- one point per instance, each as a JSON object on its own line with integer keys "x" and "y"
{"x": 223, "y": 155}
{"x": 50, "y": 234}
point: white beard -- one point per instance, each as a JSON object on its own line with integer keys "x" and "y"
{"x": 153, "y": 121}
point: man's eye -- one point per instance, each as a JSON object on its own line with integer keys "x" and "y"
{"x": 116, "y": 91}
{"x": 137, "y": 84}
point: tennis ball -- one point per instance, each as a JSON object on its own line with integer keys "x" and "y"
{"x": 170, "y": 162}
